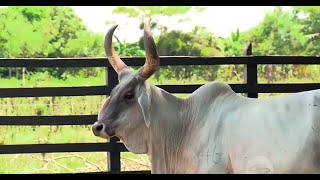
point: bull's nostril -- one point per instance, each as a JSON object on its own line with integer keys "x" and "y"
{"x": 99, "y": 127}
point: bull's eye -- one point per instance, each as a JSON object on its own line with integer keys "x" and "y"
{"x": 129, "y": 96}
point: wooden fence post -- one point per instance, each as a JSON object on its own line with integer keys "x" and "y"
{"x": 250, "y": 73}
{"x": 114, "y": 164}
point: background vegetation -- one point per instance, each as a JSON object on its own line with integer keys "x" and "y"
{"x": 59, "y": 32}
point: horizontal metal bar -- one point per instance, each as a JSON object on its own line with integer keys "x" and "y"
{"x": 176, "y": 60}
{"x": 136, "y": 172}
{"x": 121, "y": 172}
{"x": 104, "y": 90}
{"x": 283, "y": 88}
{"x": 244, "y": 88}
{"x": 54, "y": 62}
{"x": 56, "y": 148}
{"x": 164, "y": 61}
{"x": 48, "y": 120}
{"x": 190, "y": 88}
{"x": 54, "y": 91}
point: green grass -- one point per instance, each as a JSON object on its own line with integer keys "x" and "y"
{"x": 67, "y": 163}
{"x": 45, "y": 80}
{"x": 52, "y": 163}
{"x": 59, "y": 162}
{"x": 77, "y": 105}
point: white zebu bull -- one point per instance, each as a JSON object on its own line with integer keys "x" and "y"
{"x": 212, "y": 131}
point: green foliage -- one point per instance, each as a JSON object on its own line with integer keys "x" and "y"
{"x": 232, "y": 46}
{"x": 68, "y": 25}
{"x": 153, "y": 12}
{"x": 38, "y": 31}
{"x": 282, "y": 33}
{"x": 309, "y": 18}
{"x": 199, "y": 42}
{"x": 278, "y": 34}
{"x": 21, "y": 37}
{"x": 148, "y": 11}
{"x": 129, "y": 49}
{"x": 87, "y": 44}
{"x": 48, "y": 32}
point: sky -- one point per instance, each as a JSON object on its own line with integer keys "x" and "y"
{"x": 220, "y": 20}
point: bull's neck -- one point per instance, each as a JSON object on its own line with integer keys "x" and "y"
{"x": 176, "y": 122}
{"x": 165, "y": 105}
{"x": 168, "y": 132}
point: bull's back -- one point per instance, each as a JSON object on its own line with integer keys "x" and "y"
{"x": 275, "y": 135}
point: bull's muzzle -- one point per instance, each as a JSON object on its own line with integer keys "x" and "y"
{"x": 97, "y": 128}
{"x": 102, "y": 130}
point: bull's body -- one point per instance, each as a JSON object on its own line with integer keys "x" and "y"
{"x": 242, "y": 135}
{"x": 214, "y": 130}
{"x": 217, "y": 131}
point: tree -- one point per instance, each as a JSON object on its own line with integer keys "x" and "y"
{"x": 309, "y": 16}
{"x": 279, "y": 33}
{"x": 233, "y": 47}
{"x": 22, "y": 36}
{"x": 46, "y": 32}
{"x": 199, "y": 42}
{"x": 153, "y": 13}
{"x": 67, "y": 25}
{"x": 129, "y": 49}
{"x": 150, "y": 11}
{"x": 87, "y": 44}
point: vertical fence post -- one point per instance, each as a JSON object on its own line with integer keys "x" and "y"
{"x": 250, "y": 73}
{"x": 113, "y": 157}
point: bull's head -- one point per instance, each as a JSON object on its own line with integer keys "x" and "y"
{"x": 125, "y": 109}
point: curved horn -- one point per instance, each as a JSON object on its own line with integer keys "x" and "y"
{"x": 152, "y": 57}
{"x": 112, "y": 55}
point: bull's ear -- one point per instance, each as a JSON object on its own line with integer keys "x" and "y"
{"x": 145, "y": 102}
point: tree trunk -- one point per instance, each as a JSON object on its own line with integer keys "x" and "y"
{"x": 17, "y": 73}
{"x": 157, "y": 75}
{"x": 23, "y": 76}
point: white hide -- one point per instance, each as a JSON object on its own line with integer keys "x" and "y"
{"x": 215, "y": 128}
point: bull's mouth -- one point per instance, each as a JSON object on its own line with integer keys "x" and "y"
{"x": 110, "y": 132}
{"x": 105, "y": 133}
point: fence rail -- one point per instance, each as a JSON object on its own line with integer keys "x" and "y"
{"x": 102, "y": 90}
{"x": 114, "y": 147}
{"x": 55, "y": 148}
{"x": 165, "y": 61}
